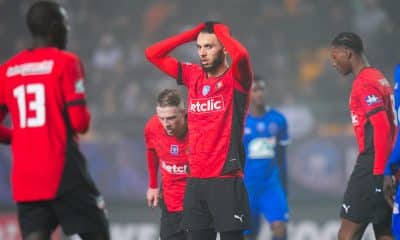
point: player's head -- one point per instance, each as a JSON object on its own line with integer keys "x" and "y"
{"x": 345, "y": 48}
{"x": 171, "y": 112}
{"x": 47, "y": 21}
{"x": 210, "y": 50}
{"x": 257, "y": 93}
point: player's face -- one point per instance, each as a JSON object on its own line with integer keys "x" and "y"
{"x": 341, "y": 59}
{"x": 210, "y": 50}
{"x": 258, "y": 93}
{"x": 172, "y": 119}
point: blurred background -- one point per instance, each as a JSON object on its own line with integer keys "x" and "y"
{"x": 289, "y": 43}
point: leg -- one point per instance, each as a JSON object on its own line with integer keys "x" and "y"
{"x": 95, "y": 236}
{"x": 350, "y": 230}
{"x": 207, "y": 234}
{"x": 278, "y": 230}
{"x": 383, "y": 230}
{"x": 232, "y": 235}
{"x": 38, "y": 235}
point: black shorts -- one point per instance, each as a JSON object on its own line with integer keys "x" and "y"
{"x": 171, "y": 224}
{"x": 79, "y": 211}
{"x": 364, "y": 201}
{"x": 216, "y": 203}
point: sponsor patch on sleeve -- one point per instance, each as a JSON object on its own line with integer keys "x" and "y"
{"x": 372, "y": 99}
{"x": 79, "y": 87}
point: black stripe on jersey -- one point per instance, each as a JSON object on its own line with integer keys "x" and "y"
{"x": 179, "y": 80}
{"x": 375, "y": 110}
{"x": 75, "y": 172}
{"x": 76, "y": 102}
{"x": 236, "y": 157}
{"x": 4, "y": 108}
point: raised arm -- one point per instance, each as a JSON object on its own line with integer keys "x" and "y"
{"x": 158, "y": 53}
{"x": 241, "y": 65}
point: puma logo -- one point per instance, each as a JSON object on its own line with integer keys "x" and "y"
{"x": 240, "y": 218}
{"x": 346, "y": 208}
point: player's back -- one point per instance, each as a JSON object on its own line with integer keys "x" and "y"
{"x": 262, "y": 137}
{"x": 33, "y": 88}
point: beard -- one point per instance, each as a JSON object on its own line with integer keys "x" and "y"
{"x": 215, "y": 64}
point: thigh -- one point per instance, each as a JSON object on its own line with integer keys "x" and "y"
{"x": 274, "y": 204}
{"x": 196, "y": 215}
{"x": 205, "y": 234}
{"x": 171, "y": 225}
{"x": 82, "y": 211}
{"x": 228, "y": 203}
{"x": 36, "y": 217}
{"x": 358, "y": 200}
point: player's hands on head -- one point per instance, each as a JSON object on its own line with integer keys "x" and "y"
{"x": 389, "y": 189}
{"x": 152, "y": 196}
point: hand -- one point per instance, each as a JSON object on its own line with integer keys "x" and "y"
{"x": 152, "y": 196}
{"x": 388, "y": 189}
{"x": 209, "y": 26}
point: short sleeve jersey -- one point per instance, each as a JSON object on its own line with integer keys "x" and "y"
{"x": 216, "y": 112}
{"x": 264, "y": 136}
{"x": 173, "y": 162}
{"x": 36, "y": 86}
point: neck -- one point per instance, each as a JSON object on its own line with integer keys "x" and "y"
{"x": 39, "y": 42}
{"x": 182, "y": 131}
{"x": 218, "y": 71}
{"x": 359, "y": 64}
{"x": 257, "y": 110}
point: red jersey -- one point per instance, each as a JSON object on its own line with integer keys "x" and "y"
{"x": 169, "y": 154}
{"x": 216, "y": 105}
{"x": 371, "y": 94}
{"x": 43, "y": 91}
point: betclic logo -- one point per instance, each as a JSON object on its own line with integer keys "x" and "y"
{"x": 207, "y": 105}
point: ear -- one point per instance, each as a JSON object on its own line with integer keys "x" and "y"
{"x": 225, "y": 52}
{"x": 349, "y": 53}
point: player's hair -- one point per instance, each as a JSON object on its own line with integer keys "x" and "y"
{"x": 349, "y": 40}
{"x": 170, "y": 98}
{"x": 42, "y": 16}
{"x": 258, "y": 79}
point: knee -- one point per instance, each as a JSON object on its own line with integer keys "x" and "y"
{"x": 278, "y": 229}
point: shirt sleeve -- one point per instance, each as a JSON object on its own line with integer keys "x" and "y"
{"x": 74, "y": 95}
{"x": 152, "y": 157}
{"x": 187, "y": 71}
{"x": 371, "y": 100}
{"x": 284, "y": 139}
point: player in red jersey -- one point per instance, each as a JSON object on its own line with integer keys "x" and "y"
{"x": 42, "y": 88}
{"x": 167, "y": 146}
{"x": 215, "y": 197}
{"x": 373, "y": 119}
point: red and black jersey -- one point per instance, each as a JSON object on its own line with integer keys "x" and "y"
{"x": 216, "y": 105}
{"x": 372, "y": 115}
{"x": 169, "y": 154}
{"x": 43, "y": 91}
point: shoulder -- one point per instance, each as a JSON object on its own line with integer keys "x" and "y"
{"x": 68, "y": 56}
{"x": 152, "y": 125}
{"x": 188, "y": 66}
{"x": 276, "y": 114}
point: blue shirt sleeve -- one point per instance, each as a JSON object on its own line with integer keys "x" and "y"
{"x": 393, "y": 163}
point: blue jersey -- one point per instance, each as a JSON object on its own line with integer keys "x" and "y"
{"x": 265, "y": 139}
{"x": 393, "y": 163}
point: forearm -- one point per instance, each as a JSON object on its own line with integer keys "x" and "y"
{"x": 79, "y": 117}
{"x": 152, "y": 164}
{"x": 393, "y": 164}
{"x": 241, "y": 65}
{"x": 382, "y": 141}
{"x": 158, "y": 52}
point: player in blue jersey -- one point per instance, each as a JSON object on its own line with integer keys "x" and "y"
{"x": 392, "y": 170}
{"x": 265, "y": 139}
